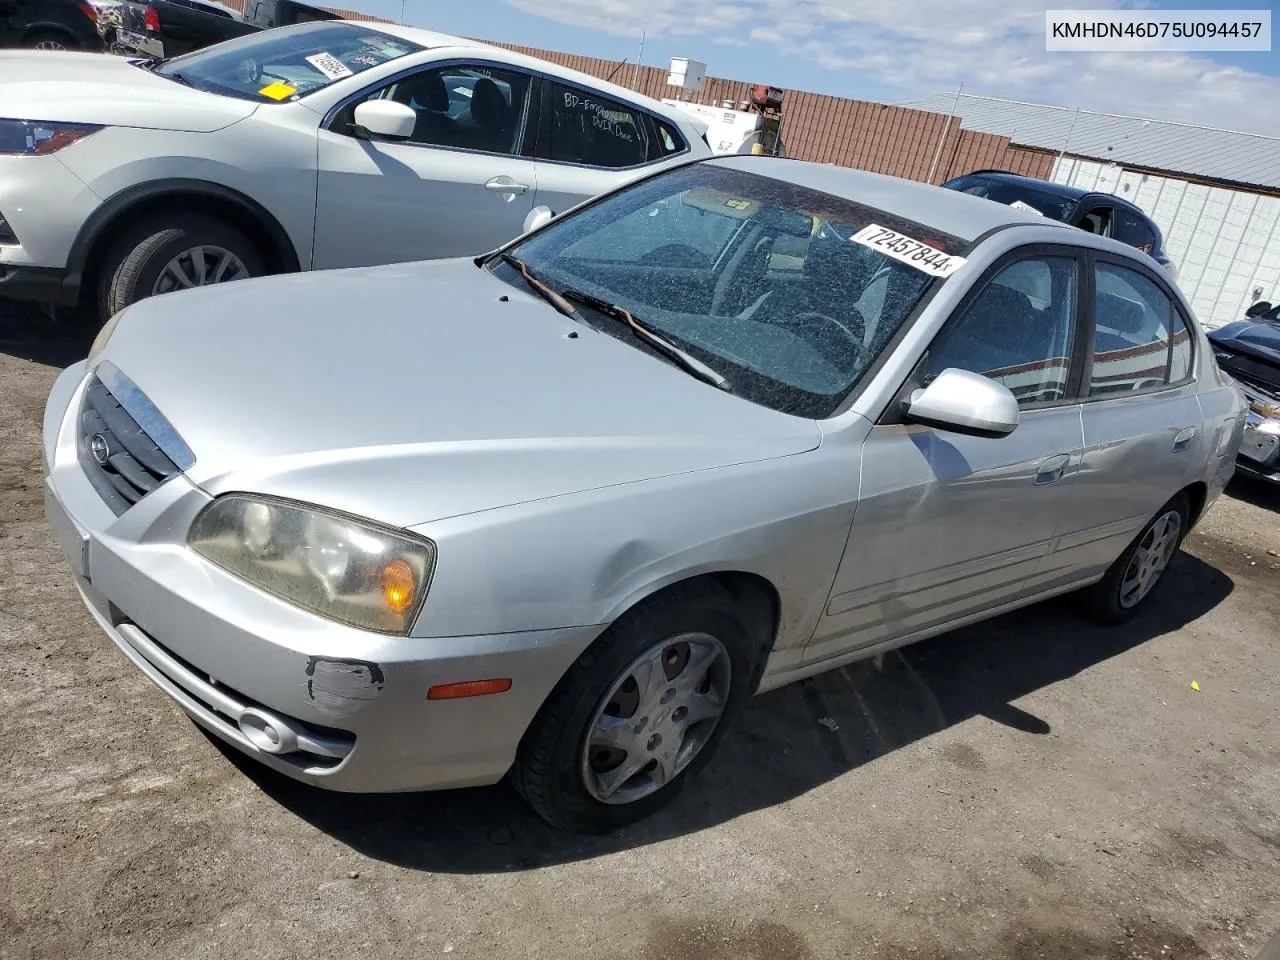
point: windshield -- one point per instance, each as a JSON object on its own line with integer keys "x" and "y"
{"x": 288, "y": 62}
{"x": 787, "y": 292}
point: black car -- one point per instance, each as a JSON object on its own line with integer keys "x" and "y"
{"x": 168, "y": 28}
{"x": 49, "y": 25}
{"x": 1102, "y": 213}
{"x": 1249, "y": 351}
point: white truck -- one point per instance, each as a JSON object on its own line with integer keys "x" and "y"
{"x": 752, "y": 126}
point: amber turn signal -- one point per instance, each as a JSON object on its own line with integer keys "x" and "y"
{"x": 469, "y": 688}
{"x": 398, "y": 586}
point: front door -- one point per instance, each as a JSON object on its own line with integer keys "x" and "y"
{"x": 460, "y": 186}
{"x": 949, "y": 525}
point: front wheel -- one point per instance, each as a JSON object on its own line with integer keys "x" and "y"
{"x": 1131, "y": 581}
{"x": 640, "y": 712}
{"x": 174, "y": 253}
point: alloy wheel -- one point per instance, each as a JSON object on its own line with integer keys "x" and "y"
{"x": 657, "y": 716}
{"x": 1151, "y": 558}
{"x": 200, "y": 267}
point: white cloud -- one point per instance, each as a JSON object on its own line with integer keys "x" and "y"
{"x": 996, "y": 47}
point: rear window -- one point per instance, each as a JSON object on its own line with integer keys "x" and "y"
{"x": 287, "y": 63}
{"x": 1042, "y": 201}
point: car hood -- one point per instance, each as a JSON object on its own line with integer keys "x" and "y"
{"x": 92, "y": 88}
{"x": 414, "y": 392}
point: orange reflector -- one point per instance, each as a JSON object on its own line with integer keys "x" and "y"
{"x": 469, "y": 688}
{"x": 398, "y": 586}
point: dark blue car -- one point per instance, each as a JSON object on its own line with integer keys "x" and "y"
{"x": 1102, "y": 213}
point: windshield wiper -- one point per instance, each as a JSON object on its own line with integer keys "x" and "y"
{"x": 656, "y": 340}
{"x": 549, "y": 295}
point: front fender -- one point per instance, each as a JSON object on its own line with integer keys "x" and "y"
{"x": 586, "y": 558}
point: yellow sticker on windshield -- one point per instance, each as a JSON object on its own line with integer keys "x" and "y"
{"x": 278, "y": 90}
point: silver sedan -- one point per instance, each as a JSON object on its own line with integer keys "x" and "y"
{"x": 558, "y": 512}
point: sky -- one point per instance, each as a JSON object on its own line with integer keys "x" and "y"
{"x": 887, "y": 50}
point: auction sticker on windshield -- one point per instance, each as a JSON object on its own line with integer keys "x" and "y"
{"x": 329, "y": 65}
{"x": 904, "y": 249}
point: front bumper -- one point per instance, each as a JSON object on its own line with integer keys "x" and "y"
{"x": 45, "y": 205}
{"x": 230, "y": 655}
{"x": 1260, "y": 446}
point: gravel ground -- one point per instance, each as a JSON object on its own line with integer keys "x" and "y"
{"x": 1032, "y": 787}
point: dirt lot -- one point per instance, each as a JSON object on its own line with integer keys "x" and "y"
{"x": 1035, "y": 787}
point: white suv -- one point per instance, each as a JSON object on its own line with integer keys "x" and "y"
{"x": 329, "y": 144}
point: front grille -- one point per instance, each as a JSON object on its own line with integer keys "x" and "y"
{"x": 120, "y": 460}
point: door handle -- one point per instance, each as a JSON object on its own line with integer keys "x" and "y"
{"x": 1183, "y": 439}
{"x": 505, "y": 185}
{"x": 1052, "y": 469}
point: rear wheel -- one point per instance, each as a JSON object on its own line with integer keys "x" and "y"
{"x": 1131, "y": 581}
{"x": 49, "y": 40}
{"x": 180, "y": 252}
{"x": 641, "y": 711}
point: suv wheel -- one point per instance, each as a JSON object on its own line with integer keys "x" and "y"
{"x": 174, "y": 253}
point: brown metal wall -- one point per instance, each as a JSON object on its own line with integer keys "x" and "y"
{"x": 897, "y": 141}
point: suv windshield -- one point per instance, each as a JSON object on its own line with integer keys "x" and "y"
{"x": 776, "y": 287}
{"x": 286, "y": 63}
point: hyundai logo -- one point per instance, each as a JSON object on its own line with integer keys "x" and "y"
{"x": 99, "y": 447}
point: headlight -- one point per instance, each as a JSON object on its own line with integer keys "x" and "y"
{"x": 35, "y": 137}
{"x": 100, "y": 341}
{"x": 349, "y": 570}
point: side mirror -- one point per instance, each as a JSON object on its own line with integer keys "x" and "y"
{"x": 1259, "y": 309}
{"x": 384, "y": 120}
{"x": 966, "y": 403}
{"x": 536, "y": 218}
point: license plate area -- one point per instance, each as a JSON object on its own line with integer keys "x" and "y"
{"x": 143, "y": 44}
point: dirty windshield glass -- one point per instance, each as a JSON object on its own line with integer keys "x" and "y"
{"x": 789, "y": 293}
{"x": 283, "y": 64}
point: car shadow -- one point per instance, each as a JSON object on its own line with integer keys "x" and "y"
{"x": 1254, "y": 490}
{"x": 29, "y": 333}
{"x": 787, "y": 742}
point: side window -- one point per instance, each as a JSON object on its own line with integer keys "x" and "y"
{"x": 1139, "y": 339}
{"x": 1018, "y": 330}
{"x": 1180, "y": 355}
{"x": 470, "y": 107}
{"x": 1097, "y": 220}
{"x": 589, "y": 129}
{"x": 1132, "y": 229}
{"x": 667, "y": 141}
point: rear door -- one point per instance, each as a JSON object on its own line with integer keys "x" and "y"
{"x": 461, "y": 185}
{"x": 951, "y": 525}
{"x": 588, "y": 143}
{"x": 1144, "y": 436}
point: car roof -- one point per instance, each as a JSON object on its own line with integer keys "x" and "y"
{"x": 959, "y": 214}
{"x": 432, "y": 39}
{"x": 1050, "y": 186}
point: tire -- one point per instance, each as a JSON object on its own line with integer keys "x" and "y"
{"x": 133, "y": 267}
{"x": 49, "y": 40}
{"x": 553, "y": 766}
{"x": 1111, "y": 599}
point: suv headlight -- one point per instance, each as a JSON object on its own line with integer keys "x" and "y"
{"x": 36, "y": 137}
{"x": 340, "y": 567}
